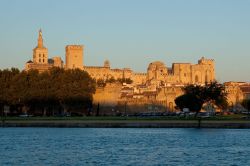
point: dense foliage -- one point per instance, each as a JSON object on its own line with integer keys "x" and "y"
{"x": 196, "y": 95}
{"x": 53, "y": 92}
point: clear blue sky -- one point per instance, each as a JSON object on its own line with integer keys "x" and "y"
{"x": 131, "y": 33}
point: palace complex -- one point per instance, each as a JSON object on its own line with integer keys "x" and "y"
{"x": 154, "y": 90}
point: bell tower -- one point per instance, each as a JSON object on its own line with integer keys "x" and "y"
{"x": 40, "y": 53}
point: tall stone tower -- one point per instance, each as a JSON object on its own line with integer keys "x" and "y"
{"x": 208, "y": 69}
{"x": 74, "y": 56}
{"x": 40, "y": 53}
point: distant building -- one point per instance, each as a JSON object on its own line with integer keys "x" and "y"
{"x": 245, "y": 88}
{"x": 236, "y": 92}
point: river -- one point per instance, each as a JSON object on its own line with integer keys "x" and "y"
{"x": 124, "y": 146}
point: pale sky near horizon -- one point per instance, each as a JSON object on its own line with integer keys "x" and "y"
{"x": 131, "y": 33}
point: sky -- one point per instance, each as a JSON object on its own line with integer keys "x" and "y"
{"x": 131, "y": 33}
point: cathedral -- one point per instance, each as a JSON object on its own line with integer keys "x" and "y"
{"x": 40, "y": 57}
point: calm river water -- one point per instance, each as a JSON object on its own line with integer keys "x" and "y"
{"x": 120, "y": 146}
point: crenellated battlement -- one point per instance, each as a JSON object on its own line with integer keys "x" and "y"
{"x": 74, "y": 47}
{"x": 94, "y": 67}
{"x": 140, "y": 74}
{"x": 203, "y": 60}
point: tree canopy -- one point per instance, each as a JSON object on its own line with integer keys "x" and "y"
{"x": 196, "y": 95}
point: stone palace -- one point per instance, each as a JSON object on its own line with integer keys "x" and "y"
{"x": 154, "y": 90}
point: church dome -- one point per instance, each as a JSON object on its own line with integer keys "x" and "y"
{"x": 106, "y": 63}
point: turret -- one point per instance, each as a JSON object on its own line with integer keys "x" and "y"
{"x": 204, "y": 61}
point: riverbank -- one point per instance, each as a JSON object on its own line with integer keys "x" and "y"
{"x": 153, "y": 123}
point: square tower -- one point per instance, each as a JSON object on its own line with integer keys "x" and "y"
{"x": 74, "y": 56}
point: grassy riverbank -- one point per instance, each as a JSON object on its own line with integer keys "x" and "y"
{"x": 125, "y": 122}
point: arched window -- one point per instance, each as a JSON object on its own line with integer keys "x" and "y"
{"x": 39, "y": 60}
{"x": 39, "y": 55}
{"x": 196, "y": 79}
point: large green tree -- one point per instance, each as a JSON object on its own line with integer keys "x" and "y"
{"x": 196, "y": 95}
{"x": 74, "y": 89}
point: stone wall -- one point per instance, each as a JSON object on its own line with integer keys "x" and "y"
{"x": 107, "y": 95}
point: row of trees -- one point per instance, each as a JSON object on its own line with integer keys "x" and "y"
{"x": 55, "y": 91}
